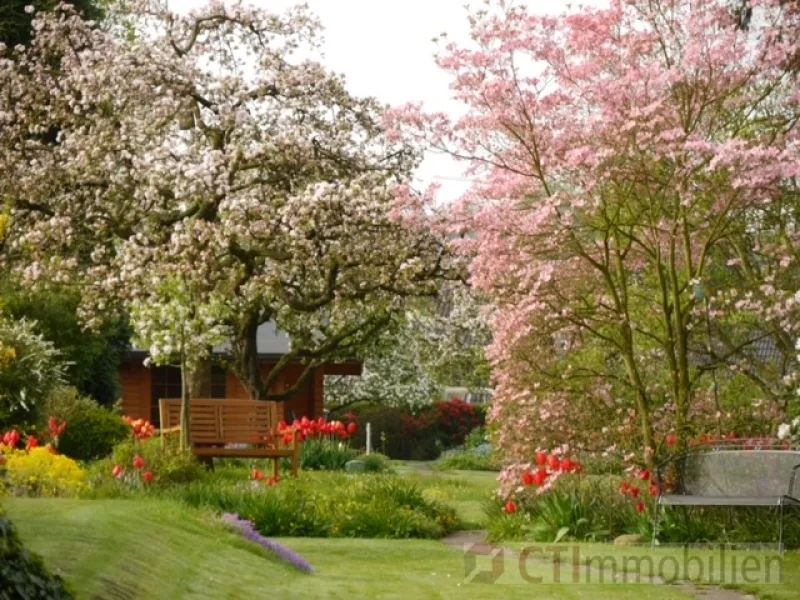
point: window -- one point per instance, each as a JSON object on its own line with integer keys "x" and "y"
{"x": 219, "y": 378}
{"x": 167, "y": 384}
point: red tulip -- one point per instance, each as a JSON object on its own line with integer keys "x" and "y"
{"x": 671, "y": 440}
{"x": 32, "y": 442}
{"x": 138, "y": 462}
{"x": 541, "y": 459}
{"x": 117, "y": 471}
{"x": 634, "y": 491}
{"x": 640, "y": 508}
{"x": 567, "y": 465}
{"x": 258, "y": 475}
{"x": 273, "y": 481}
{"x": 527, "y": 478}
{"x": 11, "y": 439}
{"x": 654, "y": 490}
{"x": 55, "y": 429}
{"x": 147, "y": 476}
{"x": 352, "y": 428}
{"x": 540, "y": 478}
{"x": 553, "y": 462}
{"x": 644, "y": 475}
{"x": 510, "y": 507}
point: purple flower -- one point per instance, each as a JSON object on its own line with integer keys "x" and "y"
{"x": 250, "y": 533}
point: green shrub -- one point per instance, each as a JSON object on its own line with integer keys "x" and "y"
{"x": 467, "y": 461}
{"x": 325, "y": 455}
{"x": 30, "y": 367}
{"x": 588, "y": 508}
{"x": 387, "y": 423}
{"x": 168, "y": 466}
{"x": 91, "y": 433}
{"x": 591, "y": 508}
{"x": 330, "y": 505}
{"x": 22, "y": 573}
{"x": 64, "y": 403}
{"x": 375, "y": 463}
{"x": 477, "y": 454}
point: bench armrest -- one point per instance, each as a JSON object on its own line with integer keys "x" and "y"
{"x": 793, "y": 480}
{"x": 169, "y": 430}
{"x": 661, "y": 467}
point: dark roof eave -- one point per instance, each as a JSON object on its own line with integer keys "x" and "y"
{"x": 263, "y": 356}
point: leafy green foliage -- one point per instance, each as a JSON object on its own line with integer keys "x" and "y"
{"x": 169, "y": 466}
{"x": 325, "y": 455}
{"x": 92, "y": 433}
{"x": 577, "y": 508}
{"x": 15, "y": 22}
{"x": 31, "y": 368}
{"x": 467, "y": 460}
{"x": 22, "y": 573}
{"x": 591, "y": 509}
{"x": 401, "y": 433}
{"x": 375, "y": 463}
{"x": 92, "y": 357}
{"x": 330, "y": 505}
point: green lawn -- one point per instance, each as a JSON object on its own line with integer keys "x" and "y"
{"x": 464, "y": 490}
{"x": 156, "y": 549}
{"x": 763, "y": 568}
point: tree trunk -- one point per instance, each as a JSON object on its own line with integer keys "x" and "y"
{"x": 247, "y": 366}
{"x": 200, "y": 379}
{"x": 185, "y": 442}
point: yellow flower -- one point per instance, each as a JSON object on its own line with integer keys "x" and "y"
{"x": 41, "y": 473}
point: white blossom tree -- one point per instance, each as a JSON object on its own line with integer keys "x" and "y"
{"x": 177, "y": 324}
{"x": 207, "y": 144}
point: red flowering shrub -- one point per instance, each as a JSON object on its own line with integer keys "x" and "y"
{"x": 442, "y": 425}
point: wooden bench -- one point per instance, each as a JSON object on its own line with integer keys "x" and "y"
{"x": 732, "y": 476}
{"x": 232, "y": 429}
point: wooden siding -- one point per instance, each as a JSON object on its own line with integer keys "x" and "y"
{"x": 136, "y": 381}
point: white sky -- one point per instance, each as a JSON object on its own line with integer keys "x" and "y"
{"x": 385, "y": 49}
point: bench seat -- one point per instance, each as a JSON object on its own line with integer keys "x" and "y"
{"x": 241, "y": 452}
{"x": 679, "y": 500}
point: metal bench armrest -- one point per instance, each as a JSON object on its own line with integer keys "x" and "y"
{"x": 661, "y": 467}
{"x": 793, "y": 480}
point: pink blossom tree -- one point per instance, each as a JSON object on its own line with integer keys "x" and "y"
{"x": 624, "y": 157}
{"x": 205, "y": 148}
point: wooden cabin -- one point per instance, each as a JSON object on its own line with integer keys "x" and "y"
{"x": 143, "y": 387}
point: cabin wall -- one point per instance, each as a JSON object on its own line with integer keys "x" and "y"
{"x": 137, "y": 390}
{"x": 135, "y": 380}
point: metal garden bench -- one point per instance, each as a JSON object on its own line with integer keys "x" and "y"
{"x": 732, "y": 475}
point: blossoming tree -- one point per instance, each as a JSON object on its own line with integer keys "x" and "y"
{"x": 207, "y": 145}
{"x": 625, "y": 156}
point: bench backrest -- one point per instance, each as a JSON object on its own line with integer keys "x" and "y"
{"x": 222, "y": 421}
{"x": 738, "y": 473}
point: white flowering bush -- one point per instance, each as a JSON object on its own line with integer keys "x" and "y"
{"x": 30, "y": 368}
{"x": 790, "y": 431}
